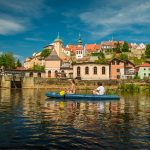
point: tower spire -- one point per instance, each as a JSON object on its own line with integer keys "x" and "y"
{"x": 58, "y": 39}
{"x": 79, "y": 39}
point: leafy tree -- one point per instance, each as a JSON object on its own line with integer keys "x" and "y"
{"x": 123, "y": 56}
{"x": 73, "y": 62}
{"x": 38, "y": 68}
{"x": 19, "y": 63}
{"x": 125, "y": 47}
{"x": 46, "y": 52}
{"x": 101, "y": 58}
{"x": 7, "y": 60}
{"x": 117, "y": 48}
{"x": 147, "y": 52}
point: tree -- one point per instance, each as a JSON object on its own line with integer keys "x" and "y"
{"x": 125, "y": 47}
{"x": 7, "y": 60}
{"x": 19, "y": 63}
{"x": 117, "y": 48}
{"x": 147, "y": 52}
{"x": 46, "y": 52}
{"x": 101, "y": 58}
{"x": 123, "y": 56}
{"x": 38, "y": 68}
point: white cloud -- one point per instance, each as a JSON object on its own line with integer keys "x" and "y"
{"x": 35, "y": 39}
{"x": 110, "y": 19}
{"x": 18, "y": 15}
{"x": 10, "y": 27}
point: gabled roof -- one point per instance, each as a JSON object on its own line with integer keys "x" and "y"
{"x": 53, "y": 56}
{"x": 116, "y": 59}
{"x": 124, "y": 61}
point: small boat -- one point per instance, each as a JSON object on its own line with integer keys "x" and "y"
{"x": 81, "y": 96}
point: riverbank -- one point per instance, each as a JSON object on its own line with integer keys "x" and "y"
{"x": 112, "y": 86}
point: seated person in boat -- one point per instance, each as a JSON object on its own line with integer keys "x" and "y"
{"x": 100, "y": 90}
{"x": 72, "y": 89}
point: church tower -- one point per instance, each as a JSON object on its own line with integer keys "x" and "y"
{"x": 80, "y": 41}
{"x": 58, "y": 45}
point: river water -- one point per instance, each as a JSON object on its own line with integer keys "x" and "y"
{"x": 28, "y": 120}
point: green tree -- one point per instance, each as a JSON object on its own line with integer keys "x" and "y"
{"x": 38, "y": 68}
{"x": 125, "y": 47}
{"x": 123, "y": 56}
{"x": 46, "y": 52}
{"x": 7, "y": 60}
{"x": 19, "y": 63}
{"x": 147, "y": 52}
{"x": 101, "y": 58}
{"x": 117, "y": 48}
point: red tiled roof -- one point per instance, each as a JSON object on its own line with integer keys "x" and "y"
{"x": 92, "y": 47}
{"x": 73, "y": 48}
{"x": 66, "y": 48}
{"x": 144, "y": 65}
{"x": 112, "y": 43}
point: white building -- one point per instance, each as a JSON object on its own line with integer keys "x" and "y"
{"x": 91, "y": 71}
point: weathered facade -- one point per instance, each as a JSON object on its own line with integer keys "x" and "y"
{"x": 119, "y": 69}
{"x": 91, "y": 71}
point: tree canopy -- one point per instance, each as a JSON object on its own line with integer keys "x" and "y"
{"x": 117, "y": 48}
{"x": 19, "y": 63}
{"x": 125, "y": 47}
{"x": 123, "y": 56}
{"x": 101, "y": 58}
{"x": 7, "y": 60}
{"x": 38, "y": 68}
{"x": 46, "y": 52}
{"x": 147, "y": 52}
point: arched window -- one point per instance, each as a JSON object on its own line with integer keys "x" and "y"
{"x": 95, "y": 70}
{"x": 31, "y": 74}
{"x": 103, "y": 70}
{"x": 49, "y": 73}
{"x": 78, "y": 71}
{"x": 39, "y": 74}
{"x": 63, "y": 74}
{"x": 86, "y": 70}
{"x": 56, "y": 73}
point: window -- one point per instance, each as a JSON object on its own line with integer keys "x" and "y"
{"x": 95, "y": 70}
{"x": 144, "y": 74}
{"x": 103, "y": 70}
{"x": 56, "y": 73}
{"x": 78, "y": 71}
{"x": 149, "y": 74}
{"x": 144, "y": 68}
{"x": 39, "y": 74}
{"x": 31, "y": 74}
{"x": 86, "y": 70}
{"x": 118, "y": 76}
{"x": 49, "y": 73}
{"x": 118, "y": 70}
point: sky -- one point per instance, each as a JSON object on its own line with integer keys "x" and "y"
{"x": 26, "y": 26}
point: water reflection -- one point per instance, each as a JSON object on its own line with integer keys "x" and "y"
{"x": 30, "y": 121}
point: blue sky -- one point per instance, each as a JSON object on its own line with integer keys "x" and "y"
{"x": 26, "y": 26}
